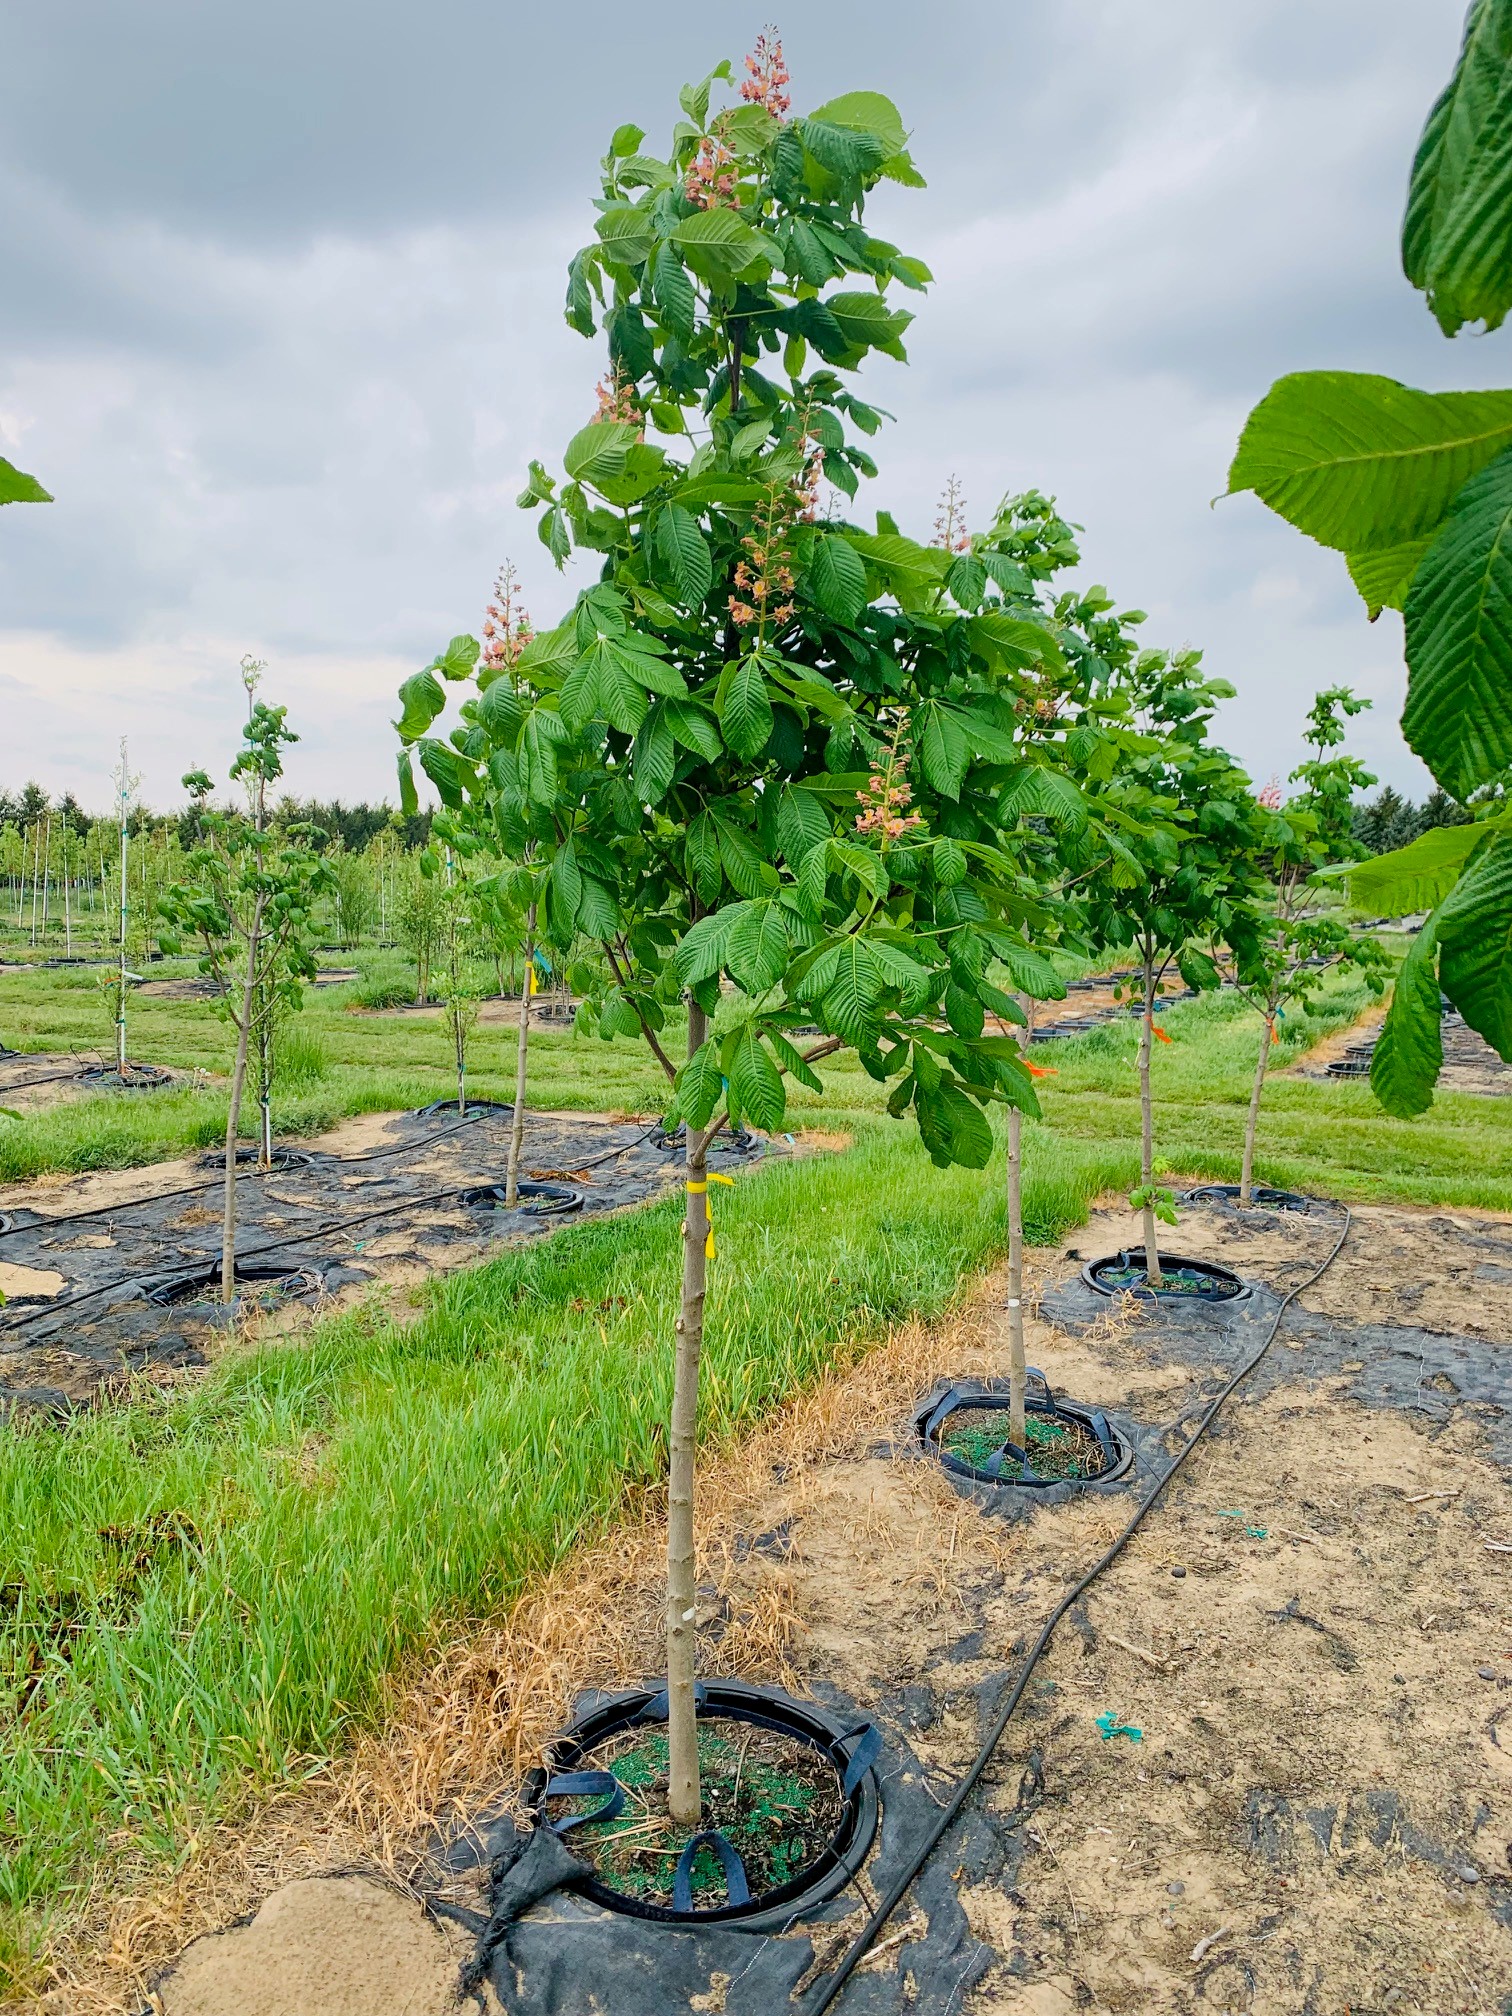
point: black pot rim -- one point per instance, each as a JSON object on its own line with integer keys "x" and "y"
{"x": 438, "y": 1107}
{"x": 767, "y": 1707}
{"x": 138, "y": 1077}
{"x": 994, "y": 1394}
{"x": 283, "y": 1158}
{"x": 1134, "y": 1256}
{"x": 176, "y": 1290}
{"x": 552, "y": 1199}
{"x": 1264, "y": 1194}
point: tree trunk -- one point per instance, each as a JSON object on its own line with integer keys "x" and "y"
{"x": 1147, "y": 1123}
{"x": 684, "y": 1794}
{"x": 1016, "y": 1373}
{"x": 121, "y": 973}
{"x": 1251, "y": 1125}
{"x": 233, "y": 1111}
{"x": 517, "y": 1119}
{"x": 264, "y": 1089}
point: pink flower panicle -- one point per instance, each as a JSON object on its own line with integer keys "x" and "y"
{"x": 712, "y": 179}
{"x": 616, "y": 401}
{"x": 1268, "y": 798}
{"x": 768, "y": 75}
{"x": 507, "y": 628}
{"x": 950, "y": 523}
{"x": 886, "y": 795}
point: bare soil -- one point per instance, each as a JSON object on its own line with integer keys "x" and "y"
{"x": 1310, "y": 1634}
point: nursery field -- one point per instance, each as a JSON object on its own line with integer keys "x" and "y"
{"x": 217, "y": 1586}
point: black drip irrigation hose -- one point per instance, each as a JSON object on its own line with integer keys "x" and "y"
{"x": 64, "y": 1309}
{"x": 859, "y": 1947}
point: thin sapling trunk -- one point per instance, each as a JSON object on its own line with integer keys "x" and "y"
{"x": 1251, "y": 1125}
{"x": 233, "y": 1110}
{"x": 684, "y": 1794}
{"x": 1017, "y": 1376}
{"x": 1147, "y": 1124}
{"x": 517, "y": 1118}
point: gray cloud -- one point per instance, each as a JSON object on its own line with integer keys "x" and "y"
{"x": 282, "y": 325}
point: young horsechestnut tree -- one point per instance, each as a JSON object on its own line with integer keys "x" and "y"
{"x": 765, "y": 759}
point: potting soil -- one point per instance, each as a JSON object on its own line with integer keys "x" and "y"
{"x": 775, "y": 1799}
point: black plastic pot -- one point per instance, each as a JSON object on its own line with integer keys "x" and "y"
{"x": 1355, "y": 1063}
{"x": 1220, "y": 1284}
{"x": 438, "y": 1107}
{"x": 851, "y": 1748}
{"x": 203, "y": 1284}
{"x": 542, "y": 1200}
{"x": 1008, "y": 1467}
{"x": 137, "y": 1077}
{"x": 738, "y": 1140}
{"x": 246, "y": 1158}
{"x": 1260, "y": 1194}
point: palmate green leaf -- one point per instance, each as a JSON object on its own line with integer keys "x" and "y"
{"x": 1384, "y": 576}
{"x": 757, "y": 1092}
{"x": 842, "y": 151}
{"x": 1034, "y": 791}
{"x": 953, "y": 1127}
{"x": 836, "y": 579}
{"x": 626, "y": 232}
{"x": 1030, "y": 973}
{"x": 1475, "y": 944}
{"x": 684, "y": 553}
{"x": 16, "y": 487}
{"x": 1457, "y": 233}
{"x": 597, "y": 452}
{"x": 1410, "y": 1048}
{"x": 701, "y": 951}
{"x": 1415, "y": 877}
{"x": 502, "y": 712}
{"x": 445, "y": 771}
{"x": 692, "y": 728}
{"x": 1458, "y": 715}
{"x": 1360, "y": 462}
{"x": 746, "y": 712}
{"x": 550, "y": 655}
{"x": 845, "y": 980}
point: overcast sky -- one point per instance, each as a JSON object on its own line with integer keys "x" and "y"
{"x": 280, "y": 326}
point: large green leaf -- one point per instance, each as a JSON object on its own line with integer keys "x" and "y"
{"x": 700, "y": 1085}
{"x": 1458, "y": 715}
{"x": 1410, "y": 1050}
{"x": 845, "y": 979}
{"x": 1359, "y": 462}
{"x": 866, "y": 321}
{"x": 692, "y": 727}
{"x": 16, "y": 487}
{"x": 1012, "y": 642}
{"x": 953, "y": 1127}
{"x": 1033, "y": 791}
{"x": 626, "y": 232}
{"x": 1416, "y": 877}
{"x": 942, "y": 747}
{"x": 718, "y": 240}
{"x": 757, "y": 953}
{"x": 1475, "y": 942}
{"x": 1457, "y": 233}
{"x": 701, "y": 854}
{"x": 422, "y": 697}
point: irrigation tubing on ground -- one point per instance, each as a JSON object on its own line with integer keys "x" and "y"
{"x": 859, "y": 1947}
{"x": 62, "y": 1309}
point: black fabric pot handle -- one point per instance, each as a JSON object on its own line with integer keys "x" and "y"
{"x": 659, "y": 1708}
{"x": 586, "y": 1784}
{"x": 993, "y": 1467}
{"x": 738, "y": 1888}
{"x": 963, "y": 1396}
{"x": 1104, "y": 1436}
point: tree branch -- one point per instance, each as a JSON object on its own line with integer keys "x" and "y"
{"x": 646, "y": 1030}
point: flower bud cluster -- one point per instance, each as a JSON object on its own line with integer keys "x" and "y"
{"x": 769, "y": 76}
{"x": 507, "y": 628}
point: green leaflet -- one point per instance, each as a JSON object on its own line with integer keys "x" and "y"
{"x": 952, "y": 1126}
{"x": 1410, "y": 1050}
{"x": 1457, "y": 233}
{"x": 757, "y": 951}
{"x": 1360, "y": 462}
{"x": 756, "y": 1089}
{"x": 1383, "y": 577}
{"x": 675, "y": 299}
{"x": 747, "y": 872}
{"x": 802, "y": 823}
{"x": 1415, "y": 877}
{"x": 1013, "y": 642}
{"x": 944, "y": 752}
{"x": 717, "y": 241}
{"x": 1034, "y": 791}
{"x": 1475, "y": 944}
{"x": 692, "y": 727}
{"x": 866, "y": 112}
{"x": 598, "y": 452}
{"x": 746, "y": 712}
{"x": 700, "y": 1085}
{"x": 16, "y": 487}
{"x": 866, "y": 321}
{"x": 653, "y": 755}
{"x": 422, "y": 699}
{"x": 684, "y": 553}
{"x": 1458, "y": 715}
{"x": 566, "y": 881}
{"x": 837, "y": 577}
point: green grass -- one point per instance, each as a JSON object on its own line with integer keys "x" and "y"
{"x": 207, "y": 1593}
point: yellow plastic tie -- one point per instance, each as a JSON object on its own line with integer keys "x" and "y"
{"x": 698, "y": 1190}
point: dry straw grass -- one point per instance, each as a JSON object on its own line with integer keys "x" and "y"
{"x": 469, "y": 1718}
